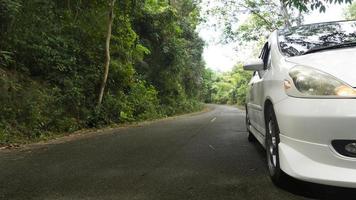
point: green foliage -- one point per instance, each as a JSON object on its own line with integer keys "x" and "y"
{"x": 227, "y": 88}
{"x": 208, "y": 81}
{"x": 174, "y": 66}
{"x": 350, "y": 12}
{"x": 28, "y": 109}
{"x": 8, "y": 11}
{"x": 52, "y": 56}
{"x": 305, "y": 5}
{"x": 255, "y": 27}
{"x": 6, "y": 58}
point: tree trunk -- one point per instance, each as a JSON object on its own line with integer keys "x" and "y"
{"x": 299, "y": 18}
{"x": 107, "y": 52}
{"x": 285, "y": 14}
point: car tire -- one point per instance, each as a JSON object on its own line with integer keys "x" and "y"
{"x": 251, "y": 137}
{"x": 272, "y": 141}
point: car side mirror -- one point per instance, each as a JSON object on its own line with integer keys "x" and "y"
{"x": 256, "y": 65}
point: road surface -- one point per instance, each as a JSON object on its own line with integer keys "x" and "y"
{"x": 200, "y": 156}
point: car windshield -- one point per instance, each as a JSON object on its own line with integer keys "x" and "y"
{"x": 296, "y": 41}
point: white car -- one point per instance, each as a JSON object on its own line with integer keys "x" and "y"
{"x": 301, "y": 103}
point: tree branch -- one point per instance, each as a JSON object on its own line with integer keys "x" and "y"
{"x": 270, "y": 26}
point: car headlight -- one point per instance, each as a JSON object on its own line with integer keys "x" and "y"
{"x": 311, "y": 83}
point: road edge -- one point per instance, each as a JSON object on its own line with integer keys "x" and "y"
{"x": 92, "y": 132}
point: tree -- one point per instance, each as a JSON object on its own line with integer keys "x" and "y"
{"x": 107, "y": 51}
{"x": 270, "y": 14}
{"x": 305, "y": 5}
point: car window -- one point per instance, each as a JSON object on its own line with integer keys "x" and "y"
{"x": 298, "y": 40}
{"x": 265, "y": 56}
{"x": 269, "y": 61}
{"x": 265, "y": 53}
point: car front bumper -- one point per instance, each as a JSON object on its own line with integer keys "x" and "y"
{"x": 307, "y": 127}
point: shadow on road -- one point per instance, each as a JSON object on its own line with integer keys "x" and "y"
{"x": 317, "y": 191}
{"x": 311, "y": 190}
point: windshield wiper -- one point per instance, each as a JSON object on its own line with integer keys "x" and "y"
{"x": 336, "y": 46}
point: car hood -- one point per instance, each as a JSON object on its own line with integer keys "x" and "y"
{"x": 340, "y": 63}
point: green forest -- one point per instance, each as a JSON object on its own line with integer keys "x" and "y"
{"x": 66, "y": 65}
{"x": 52, "y": 55}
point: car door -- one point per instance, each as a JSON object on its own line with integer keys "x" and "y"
{"x": 256, "y": 99}
{"x": 251, "y": 96}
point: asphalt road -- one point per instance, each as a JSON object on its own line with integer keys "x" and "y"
{"x": 201, "y": 156}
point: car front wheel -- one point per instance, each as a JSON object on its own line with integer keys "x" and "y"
{"x": 272, "y": 141}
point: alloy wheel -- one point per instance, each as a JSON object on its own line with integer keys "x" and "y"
{"x": 271, "y": 146}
